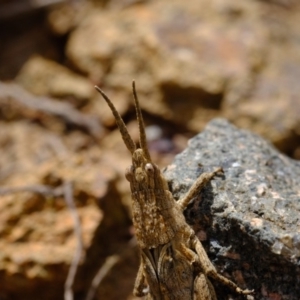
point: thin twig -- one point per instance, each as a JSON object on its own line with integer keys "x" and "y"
{"x": 51, "y": 106}
{"x": 35, "y": 188}
{"x": 102, "y": 272}
{"x": 106, "y": 267}
{"x": 68, "y": 191}
{"x": 12, "y": 9}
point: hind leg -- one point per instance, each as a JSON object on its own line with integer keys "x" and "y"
{"x": 203, "y": 289}
{"x": 210, "y": 271}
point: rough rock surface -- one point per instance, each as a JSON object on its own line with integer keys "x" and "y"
{"x": 249, "y": 219}
{"x": 37, "y": 238}
{"x": 195, "y": 60}
{"x": 180, "y": 53}
{"x": 44, "y": 77}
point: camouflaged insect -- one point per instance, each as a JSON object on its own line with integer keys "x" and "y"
{"x": 174, "y": 264}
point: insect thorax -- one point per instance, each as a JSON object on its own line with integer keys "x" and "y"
{"x": 154, "y": 218}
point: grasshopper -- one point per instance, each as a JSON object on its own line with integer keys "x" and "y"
{"x": 174, "y": 264}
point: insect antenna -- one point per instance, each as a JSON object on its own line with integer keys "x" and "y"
{"x": 122, "y": 127}
{"x": 143, "y": 140}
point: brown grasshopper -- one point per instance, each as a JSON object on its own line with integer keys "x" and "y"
{"x": 174, "y": 264}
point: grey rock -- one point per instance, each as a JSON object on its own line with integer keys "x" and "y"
{"x": 249, "y": 218}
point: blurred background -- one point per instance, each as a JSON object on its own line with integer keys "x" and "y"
{"x": 62, "y": 188}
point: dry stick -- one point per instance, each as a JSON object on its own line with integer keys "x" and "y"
{"x": 12, "y": 9}
{"x": 51, "y": 106}
{"x": 35, "y": 188}
{"x": 68, "y": 191}
{"x": 105, "y": 268}
{"x": 102, "y": 272}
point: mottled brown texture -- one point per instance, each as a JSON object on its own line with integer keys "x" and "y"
{"x": 174, "y": 264}
{"x": 198, "y": 60}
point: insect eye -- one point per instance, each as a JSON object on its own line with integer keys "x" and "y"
{"x": 129, "y": 173}
{"x": 149, "y": 168}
